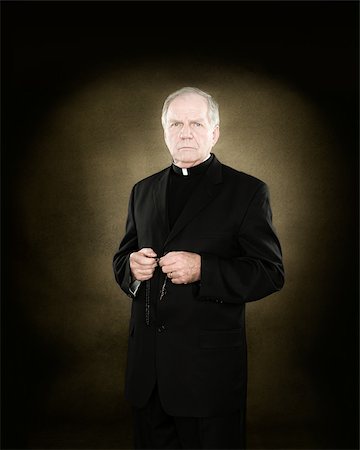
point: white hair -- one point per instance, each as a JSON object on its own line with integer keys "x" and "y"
{"x": 213, "y": 107}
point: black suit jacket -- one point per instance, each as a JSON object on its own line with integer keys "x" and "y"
{"x": 195, "y": 346}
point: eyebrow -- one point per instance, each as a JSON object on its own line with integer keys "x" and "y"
{"x": 178, "y": 120}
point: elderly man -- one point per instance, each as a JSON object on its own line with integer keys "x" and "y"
{"x": 199, "y": 244}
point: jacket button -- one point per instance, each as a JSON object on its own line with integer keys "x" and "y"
{"x": 161, "y": 328}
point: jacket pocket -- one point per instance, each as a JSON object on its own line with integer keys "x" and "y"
{"x": 221, "y": 338}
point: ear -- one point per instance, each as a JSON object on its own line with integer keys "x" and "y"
{"x": 216, "y": 134}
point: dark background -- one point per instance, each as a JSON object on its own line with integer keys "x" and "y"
{"x": 49, "y": 47}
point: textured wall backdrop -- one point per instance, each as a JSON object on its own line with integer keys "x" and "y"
{"x": 69, "y": 196}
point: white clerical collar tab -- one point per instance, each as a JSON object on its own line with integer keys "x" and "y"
{"x": 185, "y": 172}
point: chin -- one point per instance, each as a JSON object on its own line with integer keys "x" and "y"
{"x": 187, "y": 162}
{"x": 186, "y": 156}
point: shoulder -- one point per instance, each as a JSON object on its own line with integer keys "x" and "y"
{"x": 242, "y": 179}
{"x": 151, "y": 179}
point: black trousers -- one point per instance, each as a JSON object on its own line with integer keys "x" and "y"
{"x": 155, "y": 429}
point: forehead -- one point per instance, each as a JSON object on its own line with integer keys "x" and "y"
{"x": 189, "y": 104}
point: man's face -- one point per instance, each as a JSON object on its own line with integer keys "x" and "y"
{"x": 188, "y": 133}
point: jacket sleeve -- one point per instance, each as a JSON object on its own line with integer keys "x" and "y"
{"x": 129, "y": 244}
{"x": 258, "y": 270}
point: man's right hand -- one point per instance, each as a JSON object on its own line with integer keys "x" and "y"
{"x": 143, "y": 264}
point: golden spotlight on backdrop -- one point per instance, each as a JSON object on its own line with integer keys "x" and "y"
{"x": 83, "y": 88}
{"x": 100, "y": 139}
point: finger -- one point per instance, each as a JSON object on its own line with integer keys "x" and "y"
{"x": 143, "y": 277}
{"x": 170, "y": 268}
{"x": 145, "y": 271}
{"x": 142, "y": 260}
{"x": 174, "y": 263}
{"x": 141, "y": 269}
{"x": 178, "y": 280}
{"x": 169, "y": 258}
{"x": 146, "y": 264}
{"x": 181, "y": 279}
{"x": 148, "y": 252}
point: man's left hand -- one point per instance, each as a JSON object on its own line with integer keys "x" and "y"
{"x": 181, "y": 267}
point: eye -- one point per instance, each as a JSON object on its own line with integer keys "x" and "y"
{"x": 197, "y": 124}
{"x": 175, "y": 124}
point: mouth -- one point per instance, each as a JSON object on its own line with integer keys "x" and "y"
{"x": 187, "y": 148}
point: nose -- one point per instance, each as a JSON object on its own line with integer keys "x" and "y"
{"x": 185, "y": 132}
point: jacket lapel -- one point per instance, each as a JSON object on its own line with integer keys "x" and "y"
{"x": 160, "y": 200}
{"x": 207, "y": 190}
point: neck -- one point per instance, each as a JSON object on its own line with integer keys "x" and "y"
{"x": 187, "y": 165}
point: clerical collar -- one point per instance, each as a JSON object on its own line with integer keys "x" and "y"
{"x": 195, "y": 170}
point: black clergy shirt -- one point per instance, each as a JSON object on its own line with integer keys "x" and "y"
{"x": 182, "y": 186}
